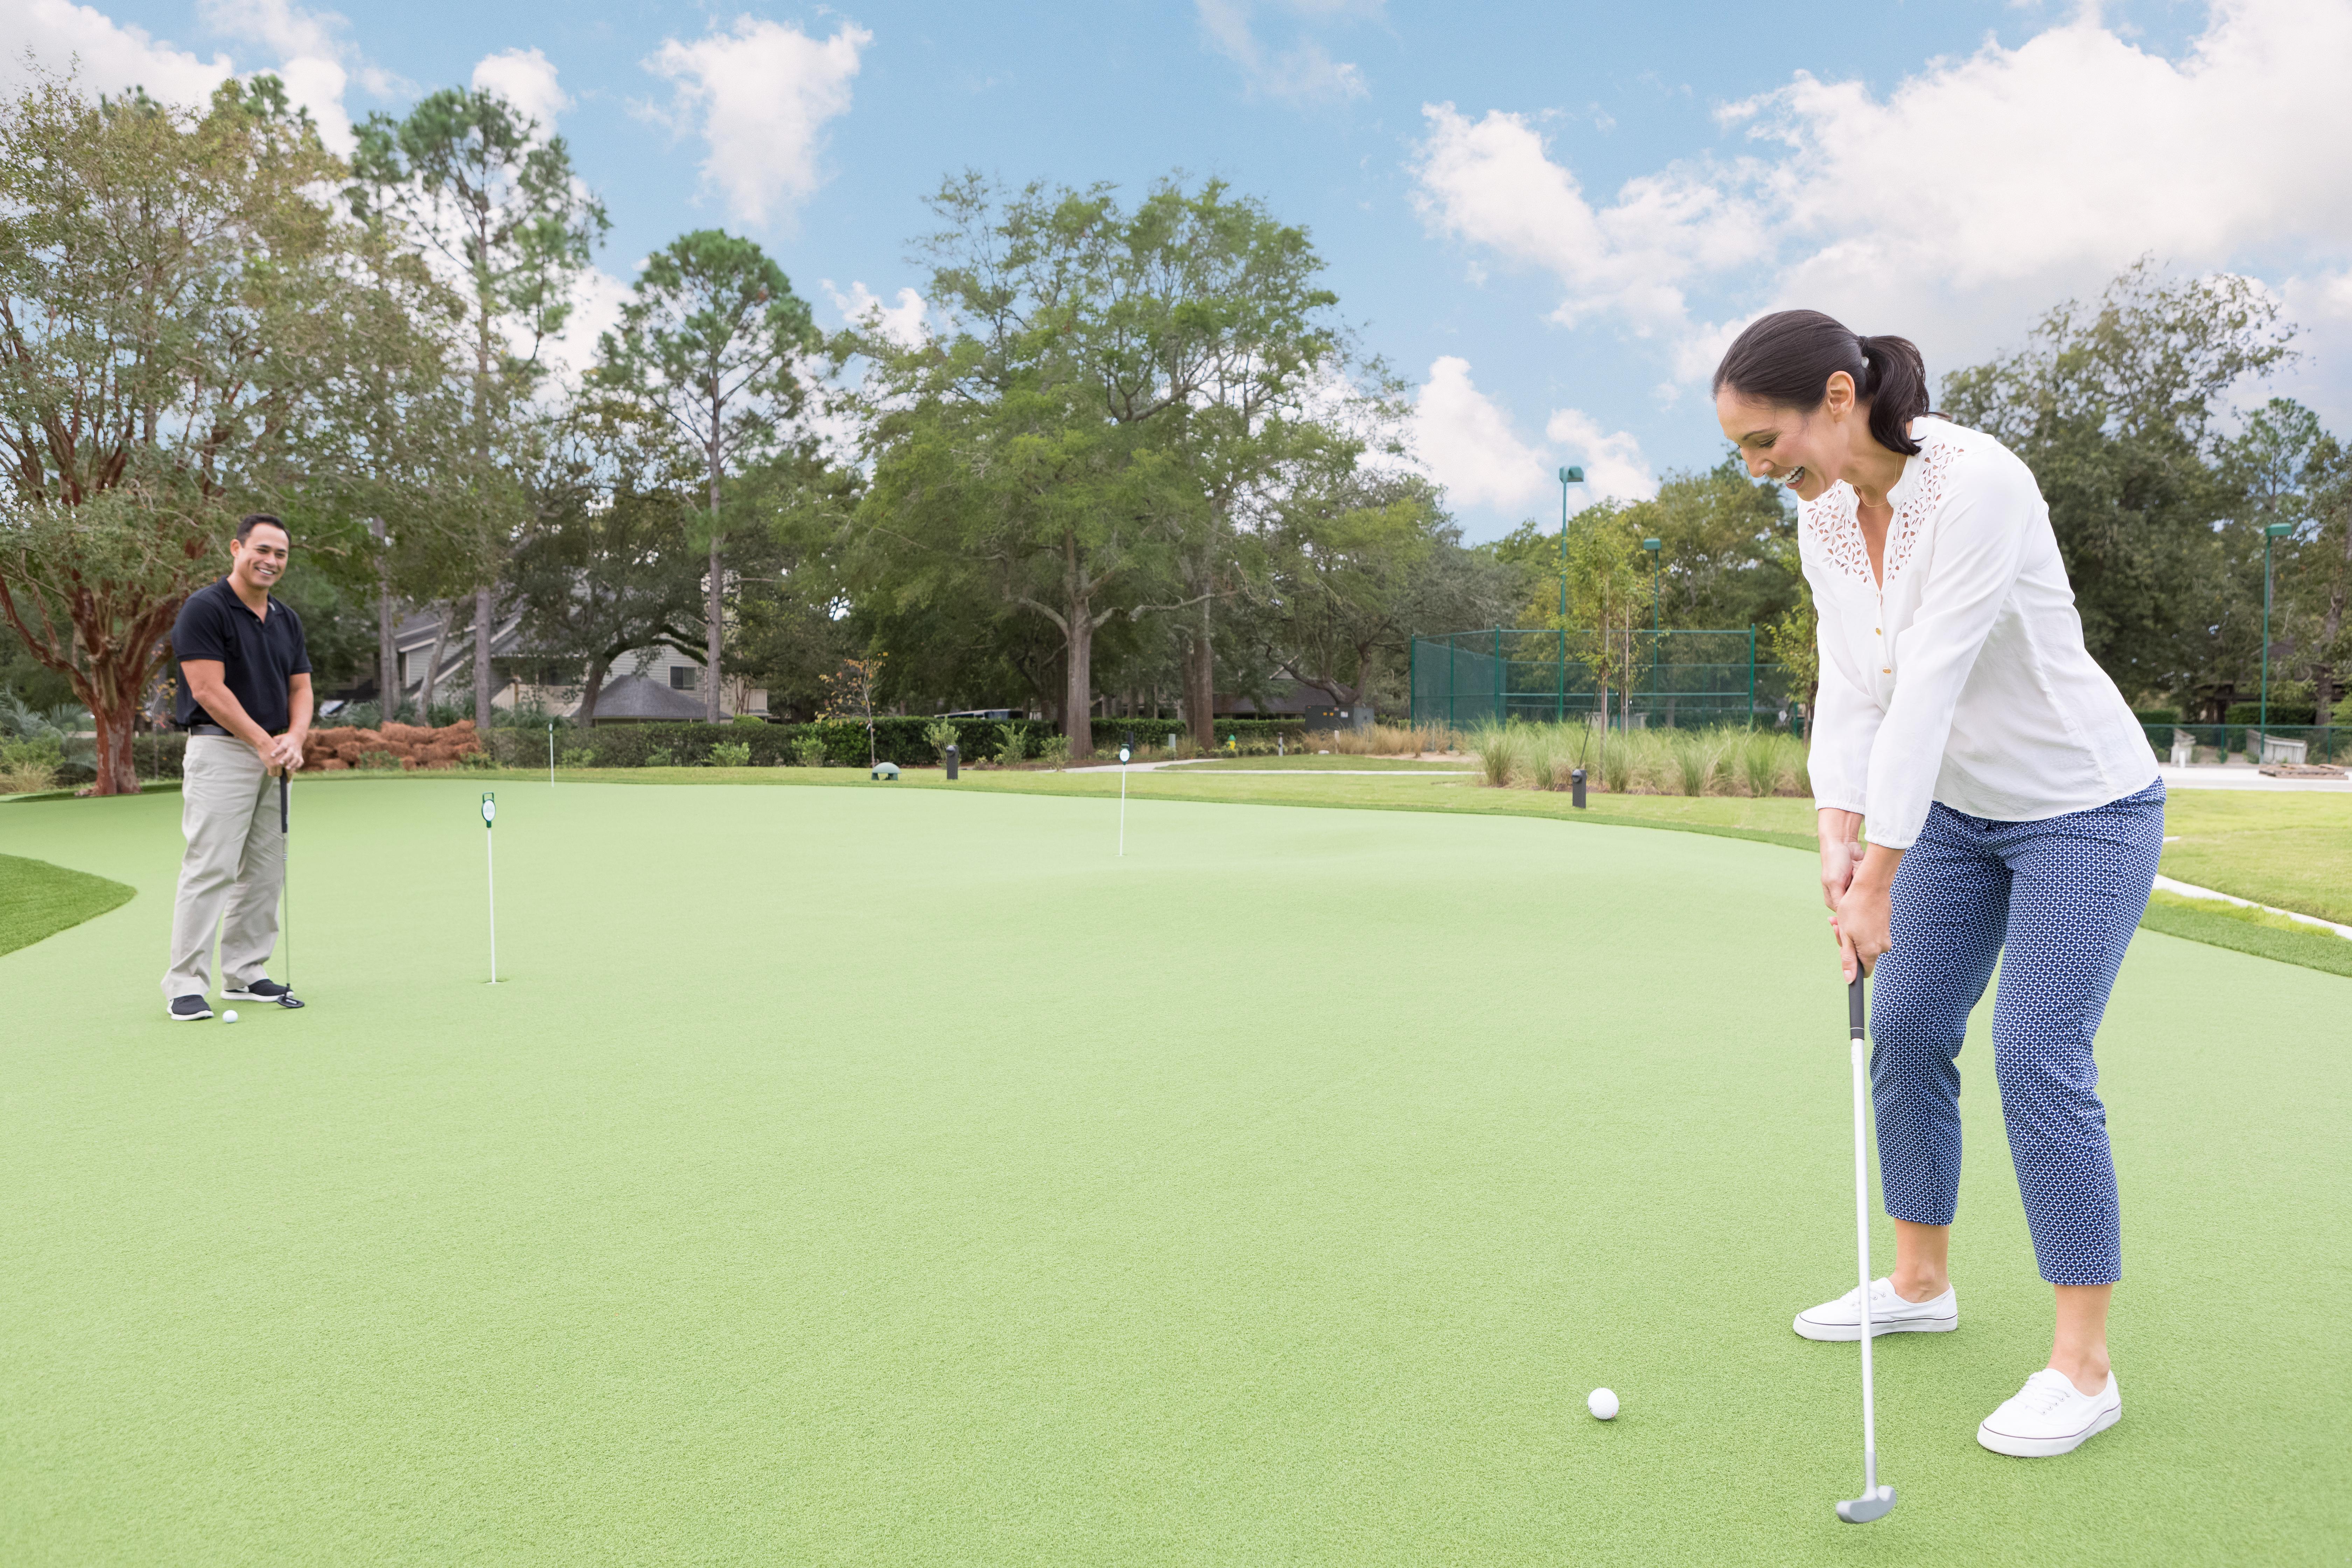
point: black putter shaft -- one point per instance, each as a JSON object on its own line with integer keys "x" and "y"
{"x": 285, "y": 891}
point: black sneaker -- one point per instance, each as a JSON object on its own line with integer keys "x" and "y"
{"x": 189, "y": 1009}
{"x": 262, "y": 990}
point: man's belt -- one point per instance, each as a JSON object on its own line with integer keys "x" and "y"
{"x": 216, "y": 730}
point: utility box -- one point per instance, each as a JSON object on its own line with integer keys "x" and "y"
{"x": 950, "y": 757}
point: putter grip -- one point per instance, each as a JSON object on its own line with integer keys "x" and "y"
{"x": 1854, "y": 1009}
{"x": 281, "y": 804}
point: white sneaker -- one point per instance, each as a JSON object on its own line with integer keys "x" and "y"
{"x": 1889, "y": 1314}
{"x": 2051, "y": 1416}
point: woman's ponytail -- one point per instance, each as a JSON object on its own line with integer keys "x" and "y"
{"x": 1787, "y": 359}
{"x": 1897, "y": 390}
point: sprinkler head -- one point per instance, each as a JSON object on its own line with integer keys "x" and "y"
{"x": 1869, "y": 1506}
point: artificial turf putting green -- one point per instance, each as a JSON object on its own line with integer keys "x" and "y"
{"x": 39, "y": 899}
{"x": 888, "y": 1176}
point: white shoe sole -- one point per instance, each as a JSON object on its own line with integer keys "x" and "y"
{"x": 185, "y": 1017}
{"x": 2046, "y": 1448}
{"x": 1846, "y": 1332}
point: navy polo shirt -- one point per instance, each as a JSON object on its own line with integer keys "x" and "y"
{"x": 258, "y": 657}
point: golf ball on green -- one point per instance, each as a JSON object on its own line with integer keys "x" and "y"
{"x": 1602, "y": 1404}
{"x": 230, "y": 1017}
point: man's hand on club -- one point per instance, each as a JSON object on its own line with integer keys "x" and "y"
{"x": 284, "y": 753}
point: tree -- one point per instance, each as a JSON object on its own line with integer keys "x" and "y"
{"x": 851, "y": 693}
{"x": 608, "y": 567}
{"x": 473, "y": 183}
{"x": 1119, "y": 397}
{"x": 1359, "y": 570}
{"x": 2115, "y": 407}
{"x": 165, "y": 276}
{"x": 997, "y": 468}
{"x": 2288, "y": 469}
{"x": 709, "y": 344}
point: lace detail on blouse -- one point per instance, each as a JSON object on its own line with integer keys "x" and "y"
{"x": 1835, "y": 522}
{"x": 1935, "y": 460}
{"x": 1837, "y": 533}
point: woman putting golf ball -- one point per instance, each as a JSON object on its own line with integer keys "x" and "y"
{"x": 2014, "y": 813}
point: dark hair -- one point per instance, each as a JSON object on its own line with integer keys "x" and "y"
{"x": 1787, "y": 359}
{"x": 252, "y": 520}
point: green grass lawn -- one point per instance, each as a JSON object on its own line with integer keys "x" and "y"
{"x": 894, "y": 1176}
{"x": 2292, "y": 850}
{"x": 39, "y": 899}
{"x": 2248, "y": 930}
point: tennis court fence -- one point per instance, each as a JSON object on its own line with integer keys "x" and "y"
{"x": 1684, "y": 679}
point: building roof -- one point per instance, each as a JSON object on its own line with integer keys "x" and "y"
{"x": 633, "y": 696}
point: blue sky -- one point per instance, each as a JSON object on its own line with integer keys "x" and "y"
{"x": 1547, "y": 217}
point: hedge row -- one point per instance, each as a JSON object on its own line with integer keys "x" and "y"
{"x": 896, "y": 740}
{"x": 2293, "y": 714}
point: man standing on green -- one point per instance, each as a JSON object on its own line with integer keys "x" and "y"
{"x": 245, "y": 702}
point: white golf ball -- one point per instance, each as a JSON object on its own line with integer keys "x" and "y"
{"x": 229, "y": 1016}
{"x": 1602, "y": 1404}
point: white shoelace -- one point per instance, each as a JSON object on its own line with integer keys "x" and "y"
{"x": 2044, "y": 1391}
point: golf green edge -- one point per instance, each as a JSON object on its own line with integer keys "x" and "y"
{"x": 39, "y": 899}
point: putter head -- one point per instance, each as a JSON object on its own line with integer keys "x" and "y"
{"x": 1867, "y": 1507}
{"x": 291, "y": 1000}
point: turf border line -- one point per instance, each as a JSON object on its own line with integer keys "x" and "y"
{"x": 41, "y": 899}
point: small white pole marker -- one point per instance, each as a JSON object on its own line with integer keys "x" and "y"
{"x": 1126, "y": 750}
{"x": 489, "y": 817}
{"x": 551, "y": 754}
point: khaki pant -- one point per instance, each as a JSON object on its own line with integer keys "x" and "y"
{"x": 234, "y": 867}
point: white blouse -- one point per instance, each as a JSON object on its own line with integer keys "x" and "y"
{"x": 1962, "y": 677}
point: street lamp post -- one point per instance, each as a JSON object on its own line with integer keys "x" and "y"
{"x": 1568, "y": 476}
{"x": 1652, "y": 547}
{"x": 2270, "y": 531}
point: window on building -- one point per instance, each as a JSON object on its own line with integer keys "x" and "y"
{"x": 684, "y": 677}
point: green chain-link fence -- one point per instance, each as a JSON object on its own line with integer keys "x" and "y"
{"x": 1680, "y": 679}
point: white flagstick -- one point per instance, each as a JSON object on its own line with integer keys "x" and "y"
{"x": 551, "y": 754}
{"x": 1124, "y": 752}
{"x": 489, "y": 836}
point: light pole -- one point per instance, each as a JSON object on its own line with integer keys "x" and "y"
{"x": 1567, "y": 476}
{"x": 2270, "y": 531}
{"x": 1652, "y": 547}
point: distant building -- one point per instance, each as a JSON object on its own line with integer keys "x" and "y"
{"x": 520, "y": 677}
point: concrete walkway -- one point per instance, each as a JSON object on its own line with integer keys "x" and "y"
{"x": 2187, "y": 890}
{"x": 2241, "y": 775}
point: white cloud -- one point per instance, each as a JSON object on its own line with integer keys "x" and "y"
{"x": 1614, "y": 468}
{"x": 113, "y": 58}
{"x": 901, "y": 322}
{"x": 288, "y": 29}
{"x": 760, "y": 97}
{"x": 1466, "y": 442}
{"x": 1954, "y": 208}
{"x": 316, "y": 61}
{"x": 526, "y": 79}
{"x": 1304, "y": 73}
{"x": 596, "y": 300}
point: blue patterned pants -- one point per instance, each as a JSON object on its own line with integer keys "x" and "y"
{"x": 2055, "y": 902}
